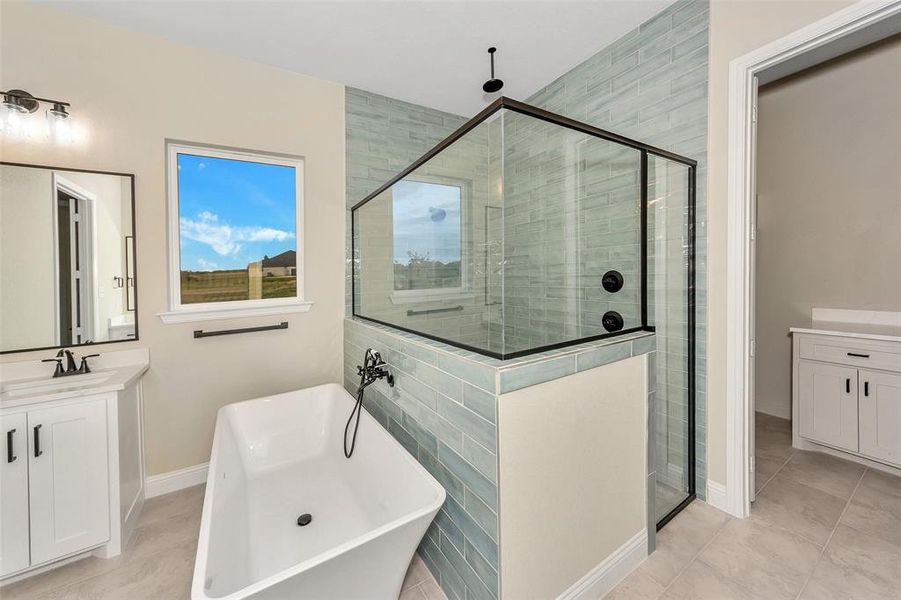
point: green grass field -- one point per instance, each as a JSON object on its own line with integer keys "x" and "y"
{"x": 279, "y": 287}
{"x": 227, "y": 286}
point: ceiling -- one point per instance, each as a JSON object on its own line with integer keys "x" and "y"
{"x": 429, "y": 53}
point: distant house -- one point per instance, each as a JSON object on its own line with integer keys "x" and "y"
{"x": 280, "y": 265}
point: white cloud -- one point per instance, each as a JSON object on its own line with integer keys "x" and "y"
{"x": 224, "y": 239}
{"x": 206, "y": 265}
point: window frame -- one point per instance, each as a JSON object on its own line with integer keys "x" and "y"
{"x": 185, "y": 313}
{"x": 426, "y": 294}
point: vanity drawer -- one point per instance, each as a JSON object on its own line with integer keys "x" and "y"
{"x": 884, "y": 356}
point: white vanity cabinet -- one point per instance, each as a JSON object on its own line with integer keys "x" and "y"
{"x": 71, "y": 481}
{"x": 827, "y": 402}
{"x": 55, "y": 490}
{"x": 68, "y": 479}
{"x": 847, "y": 393}
{"x": 14, "y": 531}
{"x": 880, "y": 415}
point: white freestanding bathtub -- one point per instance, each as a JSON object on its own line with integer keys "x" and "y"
{"x": 279, "y": 457}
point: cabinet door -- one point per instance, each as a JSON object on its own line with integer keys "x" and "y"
{"x": 68, "y": 478}
{"x": 880, "y": 416}
{"x": 13, "y": 494}
{"x": 828, "y": 404}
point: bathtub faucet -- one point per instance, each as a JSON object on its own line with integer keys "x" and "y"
{"x": 373, "y": 369}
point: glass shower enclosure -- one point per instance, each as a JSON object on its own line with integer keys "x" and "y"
{"x": 526, "y": 231}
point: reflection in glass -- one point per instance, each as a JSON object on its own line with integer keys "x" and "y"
{"x": 63, "y": 260}
{"x": 426, "y": 220}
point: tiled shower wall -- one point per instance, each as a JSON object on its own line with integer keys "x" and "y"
{"x": 443, "y": 407}
{"x": 651, "y": 85}
{"x": 383, "y": 136}
{"x": 571, "y": 213}
{"x": 443, "y": 410}
{"x": 464, "y": 164}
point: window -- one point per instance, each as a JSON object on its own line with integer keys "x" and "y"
{"x": 234, "y": 234}
{"x": 428, "y": 244}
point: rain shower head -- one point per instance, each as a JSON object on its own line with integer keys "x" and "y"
{"x": 492, "y": 85}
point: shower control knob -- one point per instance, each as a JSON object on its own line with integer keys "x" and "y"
{"x": 612, "y": 281}
{"x": 612, "y": 321}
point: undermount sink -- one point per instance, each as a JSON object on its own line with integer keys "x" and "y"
{"x": 31, "y": 386}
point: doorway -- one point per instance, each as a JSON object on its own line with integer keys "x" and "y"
{"x": 73, "y": 262}
{"x": 855, "y": 27}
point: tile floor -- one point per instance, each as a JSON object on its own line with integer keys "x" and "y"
{"x": 159, "y": 562}
{"x": 822, "y": 528}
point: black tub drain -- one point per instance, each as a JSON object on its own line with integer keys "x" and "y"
{"x": 304, "y": 519}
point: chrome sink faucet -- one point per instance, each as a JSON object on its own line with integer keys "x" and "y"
{"x": 71, "y": 368}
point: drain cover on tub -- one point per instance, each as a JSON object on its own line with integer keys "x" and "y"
{"x": 304, "y": 519}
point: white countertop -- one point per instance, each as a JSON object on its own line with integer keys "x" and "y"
{"x": 123, "y": 369}
{"x": 867, "y": 331}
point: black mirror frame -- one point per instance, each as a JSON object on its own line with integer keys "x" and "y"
{"x": 131, "y": 178}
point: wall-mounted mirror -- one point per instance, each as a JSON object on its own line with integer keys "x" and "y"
{"x": 67, "y": 261}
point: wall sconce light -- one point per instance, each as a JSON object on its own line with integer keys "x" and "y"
{"x": 19, "y": 104}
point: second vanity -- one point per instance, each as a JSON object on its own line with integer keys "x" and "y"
{"x": 846, "y": 386}
{"x": 71, "y": 480}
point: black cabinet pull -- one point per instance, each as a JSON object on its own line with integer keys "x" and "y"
{"x": 10, "y": 457}
{"x": 866, "y": 388}
{"x": 856, "y": 355}
{"x": 848, "y": 385}
{"x": 37, "y": 441}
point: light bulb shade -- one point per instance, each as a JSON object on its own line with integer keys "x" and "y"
{"x": 10, "y": 120}
{"x": 57, "y": 112}
{"x": 58, "y": 127}
{"x": 13, "y": 104}
{"x": 20, "y": 101}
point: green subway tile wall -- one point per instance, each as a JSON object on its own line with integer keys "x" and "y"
{"x": 452, "y": 431}
{"x": 651, "y": 85}
{"x": 444, "y": 419}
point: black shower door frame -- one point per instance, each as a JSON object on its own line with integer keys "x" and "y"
{"x": 645, "y": 150}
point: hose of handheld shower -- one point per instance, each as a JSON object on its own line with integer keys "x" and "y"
{"x": 358, "y": 408}
{"x": 370, "y": 372}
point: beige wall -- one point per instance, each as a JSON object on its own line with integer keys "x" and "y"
{"x": 829, "y": 202}
{"x": 736, "y": 28}
{"x": 131, "y": 92}
{"x": 572, "y": 456}
{"x": 26, "y": 258}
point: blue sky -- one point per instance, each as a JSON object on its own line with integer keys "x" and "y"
{"x": 426, "y": 220}
{"x": 233, "y": 212}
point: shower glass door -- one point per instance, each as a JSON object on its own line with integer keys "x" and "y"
{"x": 671, "y": 311}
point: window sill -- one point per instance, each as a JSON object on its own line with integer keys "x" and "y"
{"x": 190, "y": 315}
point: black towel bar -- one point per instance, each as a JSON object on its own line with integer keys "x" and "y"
{"x": 199, "y": 333}
{"x": 429, "y": 311}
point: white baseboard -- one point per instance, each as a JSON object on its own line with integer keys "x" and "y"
{"x": 165, "y": 483}
{"x": 604, "y": 577}
{"x": 716, "y": 496}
